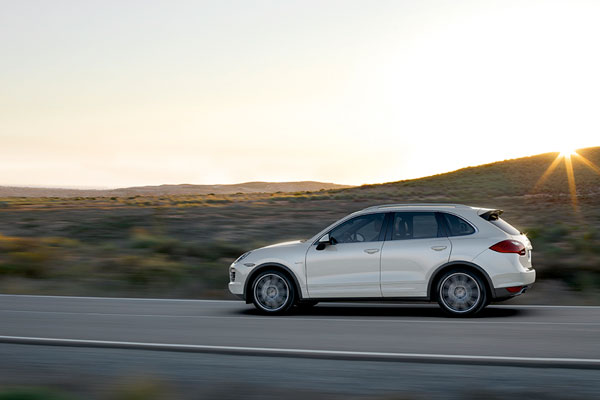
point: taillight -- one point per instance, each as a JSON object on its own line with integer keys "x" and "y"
{"x": 514, "y": 289}
{"x": 509, "y": 246}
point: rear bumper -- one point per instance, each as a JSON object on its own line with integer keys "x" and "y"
{"x": 521, "y": 277}
{"x": 513, "y": 280}
{"x": 504, "y": 293}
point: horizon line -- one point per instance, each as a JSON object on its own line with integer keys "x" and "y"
{"x": 107, "y": 188}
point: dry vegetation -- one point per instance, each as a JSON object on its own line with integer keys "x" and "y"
{"x": 180, "y": 245}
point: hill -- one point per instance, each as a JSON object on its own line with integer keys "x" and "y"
{"x": 515, "y": 177}
{"x": 171, "y": 190}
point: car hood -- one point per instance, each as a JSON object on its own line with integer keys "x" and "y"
{"x": 282, "y": 244}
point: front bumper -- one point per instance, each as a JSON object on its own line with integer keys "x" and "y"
{"x": 236, "y": 288}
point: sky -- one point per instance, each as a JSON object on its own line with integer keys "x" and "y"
{"x": 126, "y": 93}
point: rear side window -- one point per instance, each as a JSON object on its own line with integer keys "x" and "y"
{"x": 420, "y": 225}
{"x": 457, "y": 226}
{"x": 505, "y": 226}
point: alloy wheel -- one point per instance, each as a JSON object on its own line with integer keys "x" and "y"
{"x": 460, "y": 292}
{"x": 271, "y": 292}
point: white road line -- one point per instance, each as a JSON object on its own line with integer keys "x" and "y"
{"x": 116, "y": 298}
{"x": 357, "y": 304}
{"x": 300, "y": 319}
{"x": 590, "y": 362}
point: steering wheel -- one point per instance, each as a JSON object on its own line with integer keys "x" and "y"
{"x": 357, "y": 237}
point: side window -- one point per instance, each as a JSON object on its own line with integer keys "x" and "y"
{"x": 365, "y": 228}
{"x": 457, "y": 226}
{"x": 415, "y": 225}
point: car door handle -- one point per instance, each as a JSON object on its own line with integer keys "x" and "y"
{"x": 438, "y": 248}
{"x": 371, "y": 251}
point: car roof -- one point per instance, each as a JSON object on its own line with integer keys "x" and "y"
{"x": 412, "y": 206}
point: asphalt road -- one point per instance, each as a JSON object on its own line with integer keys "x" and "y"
{"x": 220, "y": 348}
{"x": 327, "y": 330}
{"x": 98, "y": 373}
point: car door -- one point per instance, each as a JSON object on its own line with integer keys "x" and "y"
{"x": 416, "y": 244}
{"x": 350, "y": 266}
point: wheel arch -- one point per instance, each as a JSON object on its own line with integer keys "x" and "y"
{"x": 437, "y": 274}
{"x": 270, "y": 266}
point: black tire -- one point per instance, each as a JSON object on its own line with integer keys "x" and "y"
{"x": 273, "y": 292}
{"x": 461, "y": 293}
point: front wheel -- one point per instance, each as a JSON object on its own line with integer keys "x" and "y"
{"x": 461, "y": 293}
{"x": 273, "y": 292}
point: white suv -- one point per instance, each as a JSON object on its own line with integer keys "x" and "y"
{"x": 462, "y": 257}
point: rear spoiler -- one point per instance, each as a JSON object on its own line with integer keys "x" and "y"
{"x": 491, "y": 215}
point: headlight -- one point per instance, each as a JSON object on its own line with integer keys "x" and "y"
{"x": 240, "y": 258}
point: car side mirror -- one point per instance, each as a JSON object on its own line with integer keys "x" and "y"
{"x": 324, "y": 241}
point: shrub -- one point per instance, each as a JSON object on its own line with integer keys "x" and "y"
{"x": 150, "y": 269}
{"x": 25, "y": 257}
{"x": 33, "y": 394}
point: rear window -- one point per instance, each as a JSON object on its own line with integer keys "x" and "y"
{"x": 457, "y": 226}
{"x": 505, "y": 226}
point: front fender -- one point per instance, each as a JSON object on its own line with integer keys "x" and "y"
{"x": 300, "y": 287}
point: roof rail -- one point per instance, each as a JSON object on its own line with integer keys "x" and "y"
{"x": 449, "y": 205}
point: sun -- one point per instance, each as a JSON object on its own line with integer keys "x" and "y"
{"x": 567, "y": 155}
{"x": 567, "y": 152}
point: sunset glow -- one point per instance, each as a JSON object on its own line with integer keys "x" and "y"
{"x": 114, "y": 94}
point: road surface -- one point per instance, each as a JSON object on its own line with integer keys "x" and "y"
{"x": 348, "y": 349}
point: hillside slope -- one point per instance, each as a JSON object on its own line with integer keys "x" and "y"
{"x": 171, "y": 190}
{"x": 516, "y": 177}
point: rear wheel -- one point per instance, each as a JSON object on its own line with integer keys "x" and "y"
{"x": 273, "y": 292}
{"x": 461, "y": 293}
